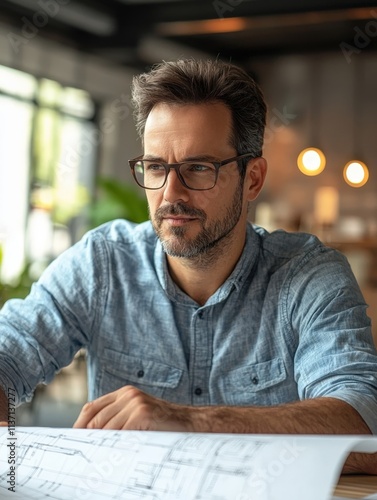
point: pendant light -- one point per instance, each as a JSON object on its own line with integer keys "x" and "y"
{"x": 311, "y": 161}
{"x": 355, "y": 172}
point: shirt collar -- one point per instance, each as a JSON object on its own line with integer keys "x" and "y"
{"x": 244, "y": 267}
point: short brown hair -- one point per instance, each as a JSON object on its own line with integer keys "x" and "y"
{"x": 189, "y": 81}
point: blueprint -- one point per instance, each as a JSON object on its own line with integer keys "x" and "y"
{"x": 70, "y": 464}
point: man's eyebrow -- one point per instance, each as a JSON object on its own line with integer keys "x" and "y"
{"x": 207, "y": 158}
{"x": 152, "y": 158}
{"x": 202, "y": 158}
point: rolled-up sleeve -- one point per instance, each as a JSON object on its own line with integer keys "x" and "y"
{"x": 335, "y": 355}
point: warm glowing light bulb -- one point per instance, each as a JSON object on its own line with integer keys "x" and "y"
{"x": 356, "y": 173}
{"x": 311, "y": 161}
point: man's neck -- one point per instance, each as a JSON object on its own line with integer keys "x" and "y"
{"x": 199, "y": 278}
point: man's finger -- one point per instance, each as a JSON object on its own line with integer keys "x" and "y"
{"x": 90, "y": 410}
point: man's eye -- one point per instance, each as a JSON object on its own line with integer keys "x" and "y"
{"x": 200, "y": 167}
{"x": 154, "y": 167}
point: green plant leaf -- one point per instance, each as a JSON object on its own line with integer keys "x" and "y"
{"x": 117, "y": 200}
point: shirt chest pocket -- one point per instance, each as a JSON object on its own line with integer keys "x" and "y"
{"x": 255, "y": 384}
{"x": 121, "y": 369}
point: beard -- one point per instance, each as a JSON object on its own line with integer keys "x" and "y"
{"x": 204, "y": 247}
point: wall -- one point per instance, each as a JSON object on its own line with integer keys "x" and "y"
{"x": 291, "y": 84}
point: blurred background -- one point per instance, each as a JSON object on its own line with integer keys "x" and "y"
{"x": 66, "y": 128}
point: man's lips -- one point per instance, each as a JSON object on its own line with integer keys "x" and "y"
{"x": 177, "y": 220}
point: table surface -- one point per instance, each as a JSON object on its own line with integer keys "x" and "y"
{"x": 357, "y": 486}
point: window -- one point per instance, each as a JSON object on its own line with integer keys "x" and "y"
{"x": 47, "y": 168}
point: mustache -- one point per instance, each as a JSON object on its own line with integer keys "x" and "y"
{"x": 179, "y": 209}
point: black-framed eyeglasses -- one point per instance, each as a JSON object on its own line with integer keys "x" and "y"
{"x": 196, "y": 175}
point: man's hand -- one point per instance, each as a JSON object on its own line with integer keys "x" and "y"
{"x": 129, "y": 408}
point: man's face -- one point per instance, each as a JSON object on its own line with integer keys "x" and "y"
{"x": 190, "y": 223}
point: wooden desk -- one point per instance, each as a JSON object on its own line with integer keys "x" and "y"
{"x": 356, "y": 486}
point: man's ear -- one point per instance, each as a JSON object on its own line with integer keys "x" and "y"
{"x": 256, "y": 171}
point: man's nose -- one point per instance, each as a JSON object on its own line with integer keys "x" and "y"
{"x": 174, "y": 190}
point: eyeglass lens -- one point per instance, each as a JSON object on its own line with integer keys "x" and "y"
{"x": 152, "y": 175}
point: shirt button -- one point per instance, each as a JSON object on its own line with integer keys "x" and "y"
{"x": 140, "y": 373}
{"x": 255, "y": 380}
{"x": 198, "y": 391}
{"x": 200, "y": 314}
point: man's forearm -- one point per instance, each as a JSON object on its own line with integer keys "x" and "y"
{"x": 315, "y": 416}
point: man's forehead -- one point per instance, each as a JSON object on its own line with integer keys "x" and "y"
{"x": 206, "y": 124}
{"x": 166, "y": 111}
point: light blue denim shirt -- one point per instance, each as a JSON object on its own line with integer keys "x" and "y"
{"x": 288, "y": 324}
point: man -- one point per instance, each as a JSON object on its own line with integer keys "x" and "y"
{"x": 198, "y": 321}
